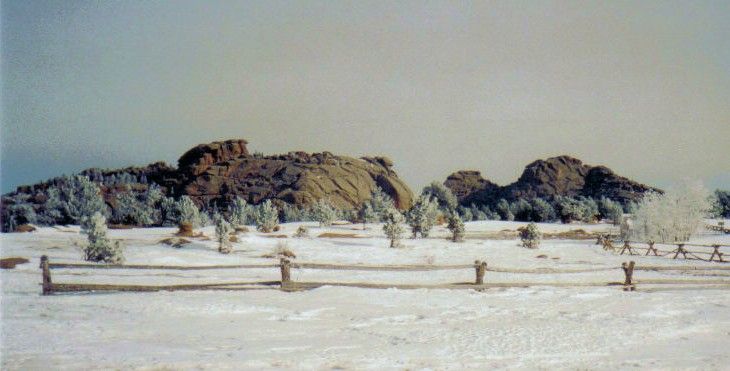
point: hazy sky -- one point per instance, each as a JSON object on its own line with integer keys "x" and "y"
{"x": 640, "y": 86}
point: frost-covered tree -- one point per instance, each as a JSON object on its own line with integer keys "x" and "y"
{"x": 99, "y": 247}
{"x": 465, "y": 213}
{"x": 504, "y": 210}
{"x": 721, "y": 204}
{"x": 456, "y": 226}
{"x": 169, "y": 214}
{"x": 204, "y": 219}
{"x": 187, "y": 212}
{"x": 223, "y": 231}
{"x": 133, "y": 210}
{"x": 611, "y": 210}
{"x": 422, "y": 215}
{"x": 569, "y": 209}
{"x": 301, "y": 232}
{"x": 446, "y": 199}
{"x": 530, "y": 236}
{"x": 16, "y": 211}
{"x": 380, "y": 203}
{"x": 323, "y": 212}
{"x": 368, "y": 215}
{"x": 477, "y": 213}
{"x": 393, "y": 227}
{"x": 240, "y": 212}
{"x": 522, "y": 210}
{"x": 542, "y": 211}
{"x": 70, "y": 199}
{"x": 673, "y": 216}
{"x": 266, "y": 216}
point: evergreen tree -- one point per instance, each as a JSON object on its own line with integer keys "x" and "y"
{"x": 446, "y": 199}
{"x": 422, "y": 215}
{"x": 223, "y": 231}
{"x": 392, "y": 227}
{"x": 530, "y": 236}
{"x": 187, "y": 212}
{"x": 324, "y": 213}
{"x": 99, "y": 247}
{"x": 240, "y": 212}
{"x": 266, "y": 216}
{"x": 456, "y": 226}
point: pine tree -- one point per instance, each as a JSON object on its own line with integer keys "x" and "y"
{"x": 187, "y": 212}
{"x": 392, "y": 227}
{"x": 380, "y": 203}
{"x": 422, "y": 215}
{"x": 223, "y": 231}
{"x": 99, "y": 247}
{"x": 266, "y": 217}
{"x": 240, "y": 212}
{"x": 456, "y": 226}
{"x": 446, "y": 199}
{"x": 324, "y": 213}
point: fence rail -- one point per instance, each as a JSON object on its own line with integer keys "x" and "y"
{"x": 632, "y": 248}
{"x": 286, "y": 284}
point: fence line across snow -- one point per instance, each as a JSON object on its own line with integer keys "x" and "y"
{"x": 286, "y": 283}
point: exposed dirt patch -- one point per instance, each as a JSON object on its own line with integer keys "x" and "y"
{"x": 24, "y": 228}
{"x": 10, "y": 263}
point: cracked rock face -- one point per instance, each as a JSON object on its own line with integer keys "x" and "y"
{"x": 224, "y": 170}
{"x": 555, "y": 176}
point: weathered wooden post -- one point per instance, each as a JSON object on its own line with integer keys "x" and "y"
{"x": 599, "y": 240}
{"x": 629, "y": 273}
{"x": 46, "y": 272}
{"x": 481, "y": 269}
{"x": 607, "y": 244}
{"x": 717, "y": 253}
{"x": 285, "y": 272}
{"x": 680, "y": 250}
{"x": 651, "y": 249}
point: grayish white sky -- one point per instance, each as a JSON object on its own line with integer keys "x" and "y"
{"x": 642, "y": 87}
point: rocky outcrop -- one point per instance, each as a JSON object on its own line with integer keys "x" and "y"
{"x": 469, "y": 185}
{"x": 556, "y": 176}
{"x": 221, "y": 171}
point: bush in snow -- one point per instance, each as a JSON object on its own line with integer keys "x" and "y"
{"x": 131, "y": 210}
{"x": 187, "y": 212}
{"x": 368, "y": 215}
{"x": 266, "y": 216}
{"x": 530, "y": 236}
{"x": 240, "y": 212}
{"x": 323, "y": 212}
{"x": 611, "y": 210}
{"x": 673, "y": 216}
{"x": 446, "y": 199}
{"x": 392, "y": 227}
{"x": 542, "y": 211}
{"x": 301, "y": 232}
{"x": 456, "y": 226}
{"x": 70, "y": 199}
{"x": 204, "y": 219}
{"x": 504, "y": 210}
{"x": 99, "y": 247}
{"x": 223, "y": 231}
{"x": 422, "y": 215}
{"x": 477, "y": 213}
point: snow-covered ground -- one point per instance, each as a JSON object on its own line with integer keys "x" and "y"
{"x": 351, "y": 328}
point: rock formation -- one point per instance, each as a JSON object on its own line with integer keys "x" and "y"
{"x": 556, "y": 176}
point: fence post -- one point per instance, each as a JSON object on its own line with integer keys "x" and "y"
{"x": 481, "y": 268}
{"x": 651, "y": 249}
{"x": 46, "y": 272}
{"x": 285, "y": 272}
{"x": 629, "y": 273}
{"x": 680, "y": 250}
{"x": 716, "y": 252}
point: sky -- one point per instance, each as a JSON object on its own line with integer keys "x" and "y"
{"x": 641, "y": 87}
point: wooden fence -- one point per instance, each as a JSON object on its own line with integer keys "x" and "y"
{"x": 677, "y": 249}
{"x": 287, "y": 284}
